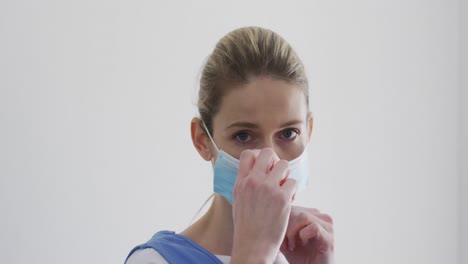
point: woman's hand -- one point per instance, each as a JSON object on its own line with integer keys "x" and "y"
{"x": 261, "y": 207}
{"x": 309, "y": 237}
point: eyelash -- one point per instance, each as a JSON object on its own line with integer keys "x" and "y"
{"x": 239, "y": 133}
{"x": 296, "y": 131}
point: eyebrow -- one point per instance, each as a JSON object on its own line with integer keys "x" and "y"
{"x": 253, "y": 125}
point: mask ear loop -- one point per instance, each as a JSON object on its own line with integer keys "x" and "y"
{"x": 208, "y": 132}
{"x": 212, "y": 195}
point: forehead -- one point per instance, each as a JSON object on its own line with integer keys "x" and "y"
{"x": 262, "y": 101}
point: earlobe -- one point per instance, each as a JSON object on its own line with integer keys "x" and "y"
{"x": 199, "y": 139}
{"x": 310, "y": 124}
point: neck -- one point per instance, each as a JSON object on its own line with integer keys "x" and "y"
{"x": 214, "y": 231}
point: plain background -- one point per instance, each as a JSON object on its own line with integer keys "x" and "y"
{"x": 96, "y": 98}
{"x": 463, "y": 144}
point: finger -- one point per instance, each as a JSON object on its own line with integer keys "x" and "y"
{"x": 279, "y": 172}
{"x": 308, "y": 217}
{"x": 295, "y": 224}
{"x": 316, "y": 232}
{"x": 246, "y": 162}
{"x": 311, "y": 210}
{"x": 322, "y": 219}
{"x": 326, "y": 217}
{"x": 298, "y": 221}
{"x": 265, "y": 161}
{"x": 290, "y": 187}
{"x": 310, "y": 231}
{"x": 314, "y": 211}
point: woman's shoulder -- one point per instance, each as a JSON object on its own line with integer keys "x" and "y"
{"x": 146, "y": 256}
{"x": 170, "y": 247}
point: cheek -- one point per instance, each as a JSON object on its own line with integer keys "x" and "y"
{"x": 289, "y": 151}
{"x": 229, "y": 146}
{"x": 299, "y": 146}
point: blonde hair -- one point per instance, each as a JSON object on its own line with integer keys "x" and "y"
{"x": 240, "y": 56}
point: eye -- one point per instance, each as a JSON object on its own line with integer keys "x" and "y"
{"x": 289, "y": 134}
{"x": 242, "y": 137}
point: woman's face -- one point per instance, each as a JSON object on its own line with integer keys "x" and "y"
{"x": 264, "y": 113}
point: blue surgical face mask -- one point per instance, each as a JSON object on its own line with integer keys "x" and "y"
{"x": 226, "y": 168}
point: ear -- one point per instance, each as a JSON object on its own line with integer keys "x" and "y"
{"x": 199, "y": 139}
{"x": 310, "y": 124}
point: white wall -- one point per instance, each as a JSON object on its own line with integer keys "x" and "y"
{"x": 96, "y": 99}
{"x": 464, "y": 133}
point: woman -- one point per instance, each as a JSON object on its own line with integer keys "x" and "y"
{"x": 254, "y": 127}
